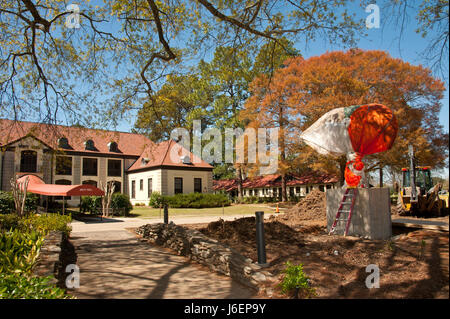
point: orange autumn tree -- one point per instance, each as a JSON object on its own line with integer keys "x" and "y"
{"x": 308, "y": 88}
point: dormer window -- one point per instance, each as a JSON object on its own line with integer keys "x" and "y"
{"x": 112, "y": 146}
{"x": 186, "y": 159}
{"x": 145, "y": 161}
{"x": 89, "y": 145}
{"x": 63, "y": 142}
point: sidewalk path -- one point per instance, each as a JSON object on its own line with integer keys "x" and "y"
{"x": 120, "y": 223}
{"x": 114, "y": 263}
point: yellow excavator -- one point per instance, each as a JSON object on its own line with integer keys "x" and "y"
{"x": 418, "y": 196}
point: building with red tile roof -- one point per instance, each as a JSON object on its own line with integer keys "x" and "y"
{"x": 71, "y": 155}
{"x": 126, "y": 144}
{"x": 270, "y": 185}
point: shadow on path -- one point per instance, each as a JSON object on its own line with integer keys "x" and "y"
{"x": 117, "y": 265}
{"x": 163, "y": 282}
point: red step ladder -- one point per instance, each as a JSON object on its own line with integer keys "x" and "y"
{"x": 349, "y": 198}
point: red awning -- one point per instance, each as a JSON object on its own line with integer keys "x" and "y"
{"x": 37, "y": 186}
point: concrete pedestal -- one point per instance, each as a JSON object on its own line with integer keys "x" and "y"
{"x": 371, "y": 217}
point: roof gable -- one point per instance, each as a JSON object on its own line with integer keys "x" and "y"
{"x": 167, "y": 153}
{"x": 25, "y": 137}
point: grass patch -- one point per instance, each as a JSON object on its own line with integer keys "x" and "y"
{"x": 240, "y": 210}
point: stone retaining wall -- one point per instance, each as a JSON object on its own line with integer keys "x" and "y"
{"x": 48, "y": 262}
{"x": 207, "y": 251}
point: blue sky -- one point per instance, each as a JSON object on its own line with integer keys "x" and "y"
{"x": 409, "y": 48}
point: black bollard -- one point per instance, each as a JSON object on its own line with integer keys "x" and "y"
{"x": 296, "y": 291}
{"x": 260, "y": 242}
{"x": 166, "y": 214}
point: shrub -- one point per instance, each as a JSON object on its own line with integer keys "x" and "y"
{"x": 19, "y": 250}
{"x": 31, "y": 202}
{"x": 196, "y": 200}
{"x": 53, "y": 206}
{"x": 91, "y": 204}
{"x": 296, "y": 278}
{"x": 17, "y": 286}
{"x": 43, "y": 223}
{"x": 48, "y": 222}
{"x": 9, "y": 221}
{"x": 122, "y": 202}
{"x": 270, "y": 199}
{"x": 251, "y": 200}
{"x": 156, "y": 200}
{"x": 21, "y": 239}
{"x": 7, "y": 202}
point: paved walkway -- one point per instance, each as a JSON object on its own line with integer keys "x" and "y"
{"x": 119, "y": 223}
{"x": 114, "y": 263}
{"x": 420, "y": 223}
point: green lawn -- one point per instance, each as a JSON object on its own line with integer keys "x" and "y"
{"x": 243, "y": 209}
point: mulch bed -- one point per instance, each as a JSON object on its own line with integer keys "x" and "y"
{"x": 415, "y": 265}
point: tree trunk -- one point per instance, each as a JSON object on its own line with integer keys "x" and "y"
{"x": 342, "y": 163}
{"x": 282, "y": 152}
{"x": 395, "y": 184}
{"x": 381, "y": 176}
{"x": 239, "y": 180}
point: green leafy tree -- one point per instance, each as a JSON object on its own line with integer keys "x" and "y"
{"x": 182, "y": 99}
{"x": 272, "y": 55}
{"x": 229, "y": 74}
{"x": 124, "y": 49}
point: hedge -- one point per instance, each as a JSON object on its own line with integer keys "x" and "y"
{"x": 194, "y": 200}
{"x": 93, "y": 204}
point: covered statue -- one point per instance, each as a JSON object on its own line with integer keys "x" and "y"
{"x": 354, "y": 131}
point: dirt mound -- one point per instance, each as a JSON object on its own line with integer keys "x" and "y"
{"x": 312, "y": 207}
{"x": 280, "y": 239}
{"x": 244, "y": 230}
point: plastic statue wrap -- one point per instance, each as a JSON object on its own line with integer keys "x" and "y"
{"x": 354, "y": 131}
